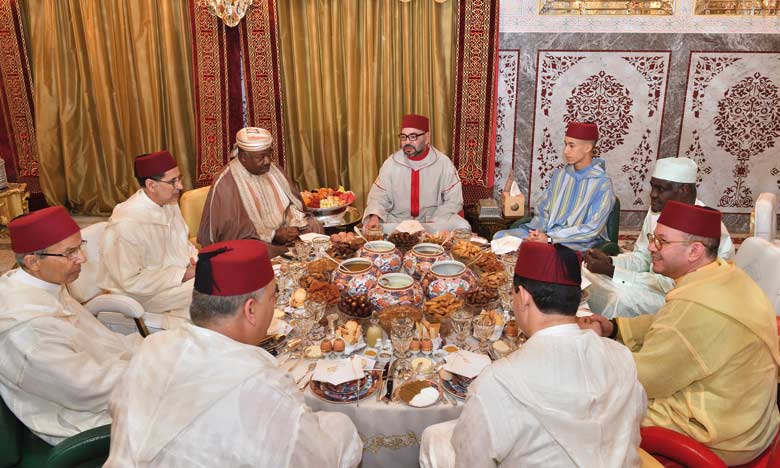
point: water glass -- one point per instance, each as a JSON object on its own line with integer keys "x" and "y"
{"x": 461, "y": 325}
{"x": 461, "y": 235}
{"x": 302, "y": 250}
{"x": 483, "y": 330}
{"x": 320, "y": 246}
{"x": 373, "y": 233}
{"x": 303, "y": 321}
{"x": 401, "y": 334}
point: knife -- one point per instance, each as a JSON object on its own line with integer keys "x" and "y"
{"x": 390, "y": 381}
{"x": 385, "y": 371}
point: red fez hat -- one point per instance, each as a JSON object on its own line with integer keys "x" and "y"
{"x": 548, "y": 263}
{"x": 153, "y": 164}
{"x": 583, "y": 131}
{"x": 40, "y": 229}
{"x": 419, "y": 122}
{"x": 691, "y": 219}
{"x": 233, "y": 267}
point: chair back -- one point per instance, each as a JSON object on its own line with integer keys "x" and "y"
{"x": 763, "y": 219}
{"x": 191, "y": 204}
{"x": 760, "y": 259}
{"x": 85, "y": 287}
{"x": 613, "y": 222}
{"x": 10, "y": 437}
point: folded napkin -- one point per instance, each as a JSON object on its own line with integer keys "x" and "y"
{"x": 505, "y": 245}
{"x": 279, "y": 327}
{"x": 338, "y": 371}
{"x": 410, "y": 225}
{"x": 466, "y": 363}
{"x": 426, "y": 397}
{"x": 310, "y": 236}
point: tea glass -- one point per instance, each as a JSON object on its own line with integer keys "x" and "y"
{"x": 483, "y": 329}
{"x": 461, "y": 325}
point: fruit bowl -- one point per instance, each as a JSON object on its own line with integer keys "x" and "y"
{"x": 327, "y": 201}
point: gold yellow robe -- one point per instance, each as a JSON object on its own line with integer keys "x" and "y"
{"x": 709, "y": 361}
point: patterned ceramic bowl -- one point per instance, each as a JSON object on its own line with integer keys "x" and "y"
{"x": 355, "y": 276}
{"x": 384, "y": 255}
{"x": 448, "y": 276}
{"x": 396, "y": 289}
{"x": 418, "y": 259}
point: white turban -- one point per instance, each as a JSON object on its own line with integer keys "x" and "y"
{"x": 682, "y": 170}
{"x": 254, "y": 139}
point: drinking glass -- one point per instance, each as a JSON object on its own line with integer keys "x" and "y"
{"x": 373, "y": 233}
{"x": 483, "y": 329}
{"x": 401, "y": 334}
{"x": 320, "y": 246}
{"x": 303, "y": 320}
{"x": 302, "y": 250}
{"x": 461, "y": 234}
{"x": 461, "y": 325}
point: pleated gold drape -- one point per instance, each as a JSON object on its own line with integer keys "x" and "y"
{"x": 351, "y": 69}
{"x": 112, "y": 80}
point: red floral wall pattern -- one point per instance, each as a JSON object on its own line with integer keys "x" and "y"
{"x": 623, "y": 92}
{"x": 731, "y": 126}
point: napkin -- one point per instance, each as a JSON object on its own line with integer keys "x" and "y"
{"x": 466, "y": 363}
{"x": 279, "y": 327}
{"x": 410, "y": 225}
{"x": 505, "y": 245}
{"x": 338, "y": 371}
{"x": 310, "y": 236}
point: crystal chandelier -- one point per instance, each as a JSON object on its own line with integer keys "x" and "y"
{"x": 229, "y": 11}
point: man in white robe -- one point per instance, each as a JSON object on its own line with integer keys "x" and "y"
{"x": 58, "y": 364}
{"x": 252, "y": 198}
{"x": 416, "y": 182}
{"x": 205, "y": 395}
{"x": 565, "y": 399}
{"x": 145, "y": 251}
{"x": 625, "y": 285}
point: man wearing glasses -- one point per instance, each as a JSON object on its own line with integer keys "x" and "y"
{"x": 145, "y": 252}
{"x": 625, "y": 285}
{"x": 58, "y": 364}
{"x": 709, "y": 358}
{"x": 416, "y": 182}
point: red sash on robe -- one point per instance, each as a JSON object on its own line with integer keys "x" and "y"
{"x": 415, "y": 200}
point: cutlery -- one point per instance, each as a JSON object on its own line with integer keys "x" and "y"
{"x": 310, "y": 369}
{"x": 385, "y": 374}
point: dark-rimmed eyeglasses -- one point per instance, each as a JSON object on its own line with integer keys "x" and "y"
{"x": 71, "y": 254}
{"x": 173, "y": 182}
{"x": 659, "y": 243}
{"x": 411, "y": 136}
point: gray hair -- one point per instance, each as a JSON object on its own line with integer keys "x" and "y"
{"x": 711, "y": 244}
{"x": 19, "y": 257}
{"x": 206, "y": 308}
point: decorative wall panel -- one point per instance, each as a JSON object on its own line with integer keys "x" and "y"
{"x": 508, "y": 73}
{"x": 731, "y": 126}
{"x": 623, "y": 92}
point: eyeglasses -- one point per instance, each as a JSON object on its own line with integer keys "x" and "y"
{"x": 71, "y": 254}
{"x": 173, "y": 182}
{"x": 411, "y": 136}
{"x": 659, "y": 243}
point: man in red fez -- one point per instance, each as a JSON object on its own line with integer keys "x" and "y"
{"x": 575, "y": 206}
{"x": 205, "y": 394}
{"x": 58, "y": 364}
{"x": 566, "y": 398}
{"x": 709, "y": 358}
{"x": 145, "y": 251}
{"x": 417, "y": 182}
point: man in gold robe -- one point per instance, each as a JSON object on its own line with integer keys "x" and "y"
{"x": 709, "y": 358}
{"x": 253, "y": 199}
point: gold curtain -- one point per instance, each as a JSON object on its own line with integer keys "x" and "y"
{"x": 351, "y": 70}
{"x": 112, "y": 80}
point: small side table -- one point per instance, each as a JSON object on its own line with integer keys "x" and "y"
{"x": 13, "y": 202}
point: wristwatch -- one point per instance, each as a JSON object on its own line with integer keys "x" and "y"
{"x": 549, "y": 240}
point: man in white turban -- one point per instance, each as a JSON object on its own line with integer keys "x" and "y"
{"x": 252, "y": 198}
{"x": 625, "y": 285}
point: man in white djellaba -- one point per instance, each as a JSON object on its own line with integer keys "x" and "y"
{"x": 205, "y": 395}
{"x": 417, "y": 182}
{"x": 566, "y": 398}
{"x": 58, "y": 363}
{"x": 625, "y": 285}
{"x": 145, "y": 252}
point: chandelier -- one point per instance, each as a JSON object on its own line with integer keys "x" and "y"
{"x": 229, "y": 11}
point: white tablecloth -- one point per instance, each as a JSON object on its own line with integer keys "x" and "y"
{"x": 391, "y": 432}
